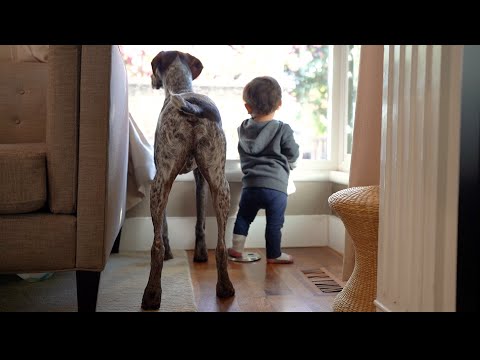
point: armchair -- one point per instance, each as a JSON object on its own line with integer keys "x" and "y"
{"x": 63, "y": 163}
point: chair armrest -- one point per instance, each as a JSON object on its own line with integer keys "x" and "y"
{"x": 118, "y": 146}
{"x": 62, "y": 127}
{"x": 103, "y": 154}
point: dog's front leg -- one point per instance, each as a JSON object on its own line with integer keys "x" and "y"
{"x": 200, "y": 254}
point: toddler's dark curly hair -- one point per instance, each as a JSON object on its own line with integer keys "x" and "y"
{"x": 263, "y": 94}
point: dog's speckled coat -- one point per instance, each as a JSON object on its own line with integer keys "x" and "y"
{"x": 188, "y": 137}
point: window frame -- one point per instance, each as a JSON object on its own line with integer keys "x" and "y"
{"x": 339, "y": 160}
{"x": 344, "y": 158}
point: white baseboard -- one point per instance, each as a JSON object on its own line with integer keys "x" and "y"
{"x": 381, "y": 307}
{"x": 336, "y": 234}
{"x": 298, "y": 231}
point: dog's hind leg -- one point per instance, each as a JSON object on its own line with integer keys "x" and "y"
{"x": 200, "y": 254}
{"x": 211, "y": 160}
{"x": 169, "y": 164}
{"x": 166, "y": 241}
{"x": 158, "y": 201}
{"x": 221, "y": 203}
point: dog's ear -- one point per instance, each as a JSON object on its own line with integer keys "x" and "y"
{"x": 194, "y": 64}
{"x": 163, "y": 60}
{"x": 159, "y": 64}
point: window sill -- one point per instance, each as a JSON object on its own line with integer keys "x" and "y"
{"x": 235, "y": 175}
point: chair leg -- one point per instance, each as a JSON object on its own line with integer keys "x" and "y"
{"x": 116, "y": 244}
{"x": 87, "y": 290}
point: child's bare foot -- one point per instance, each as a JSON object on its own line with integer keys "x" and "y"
{"x": 282, "y": 259}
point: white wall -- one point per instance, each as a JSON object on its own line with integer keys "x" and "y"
{"x": 298, "y": 231}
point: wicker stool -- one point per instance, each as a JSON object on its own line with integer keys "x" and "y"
{"x": 357, "y": 207}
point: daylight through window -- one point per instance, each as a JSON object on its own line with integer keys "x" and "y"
{"x": 303, "y": 71}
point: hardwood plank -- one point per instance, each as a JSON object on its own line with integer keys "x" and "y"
{"x": 288, "y": 303}
{"x": 320, "y": 303}
{"x": 259, "y": 304}
{"x": 262, "y": 287}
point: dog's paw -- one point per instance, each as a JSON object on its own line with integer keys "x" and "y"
{"x": 225, "y": 290}
{"x": 200, "y": 256}
{"x": 168, "y": 255}
{"x": 151, "y": 299}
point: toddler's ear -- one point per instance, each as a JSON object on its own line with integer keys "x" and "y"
{"x": 248, "y": 107}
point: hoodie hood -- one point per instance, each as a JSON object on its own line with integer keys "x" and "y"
{"x": 255, "y": 136}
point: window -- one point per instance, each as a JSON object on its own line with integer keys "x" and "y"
{"x": 311, "y": 77}
{"x": 349, "y": 56}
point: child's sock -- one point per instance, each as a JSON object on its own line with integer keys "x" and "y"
{"x": 284, "y": 258}
{"x": 238, "y": 243}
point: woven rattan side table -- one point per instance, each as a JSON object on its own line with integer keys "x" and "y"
{"x": 357, "y": 207}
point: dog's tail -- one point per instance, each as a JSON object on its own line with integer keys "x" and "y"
{"x": 200, "y": 107}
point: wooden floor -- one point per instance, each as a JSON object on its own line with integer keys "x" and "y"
{"x": 262, "y": 287}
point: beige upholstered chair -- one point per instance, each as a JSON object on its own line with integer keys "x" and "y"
{"x": 63, "y": 163}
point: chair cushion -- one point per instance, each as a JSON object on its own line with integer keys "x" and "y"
{"x": 23, "y": 102}
{"x": 23, "y": 178}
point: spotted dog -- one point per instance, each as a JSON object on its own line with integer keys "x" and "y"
{"x": 189, "y": 137}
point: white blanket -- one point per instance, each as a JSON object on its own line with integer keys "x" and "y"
{"x": 141, "y": 167}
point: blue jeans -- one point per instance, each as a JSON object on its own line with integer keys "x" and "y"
{"x": 274, "y": 202}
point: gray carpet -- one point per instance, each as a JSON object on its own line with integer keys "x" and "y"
{"x": 121, "y": 287}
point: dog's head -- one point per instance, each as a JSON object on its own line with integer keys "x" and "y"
{"x": 178, "y": 61}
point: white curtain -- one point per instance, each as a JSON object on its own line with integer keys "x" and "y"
{"x": 365, "y": 161}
